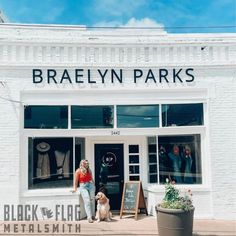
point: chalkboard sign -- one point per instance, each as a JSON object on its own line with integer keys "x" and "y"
{"x": 132, "y": 198}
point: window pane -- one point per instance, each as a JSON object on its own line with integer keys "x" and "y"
{"x": 153, "y": 169}
{"x": 180, "y": 159}
{"x": 153, "y": 178}
{"x": 134, "y": 178}
{"x": 133, "y": 159}
{"x": 50, "y": 162}
{"x": 133, "y": 148}
{"x": 152, "y": 160}
{"x": 152, "y": 148}
{"x": 134, "y": 116}
{"x": 92, "y": 116}
{"x": 46, "y": 117}
{"x": 134, "y": 169}
{"x": 182, "y": 114}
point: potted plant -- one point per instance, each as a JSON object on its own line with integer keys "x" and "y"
{"x": 175, "y": 212}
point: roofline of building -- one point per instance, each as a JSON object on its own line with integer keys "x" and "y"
{"x": 43, "y": 33}
{"x": 128, "y": 30}
{"x": 43, "y": 26}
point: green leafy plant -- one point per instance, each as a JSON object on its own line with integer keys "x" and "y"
{"x": 174, "y": 200}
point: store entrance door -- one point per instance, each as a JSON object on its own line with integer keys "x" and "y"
{"x": 109, "y": 172}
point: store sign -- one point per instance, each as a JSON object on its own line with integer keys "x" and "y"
{"x": 36, "y": 220}
{"x": 93, "y": 76}
{"x": 109, "y": 159}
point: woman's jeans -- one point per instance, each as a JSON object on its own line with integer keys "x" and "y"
{"x": 87, "y": 191}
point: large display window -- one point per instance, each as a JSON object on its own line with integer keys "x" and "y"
{"x": 176, "y": 157}
{"x": 52, "y": 162}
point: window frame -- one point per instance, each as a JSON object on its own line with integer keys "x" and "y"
{"x": 173, "y": 104}
{"x": 138, "y": 164}
{"x": 30, "y": 161}
{"x": 201, "y": 133}
{"x": 132, "y": 105}
{"x": 48, "y": 105}
{"x": 93, "y": 128}
{"x": 25, "y": 133}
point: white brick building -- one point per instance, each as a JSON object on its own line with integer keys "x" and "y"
{"x": 117, "y": 97}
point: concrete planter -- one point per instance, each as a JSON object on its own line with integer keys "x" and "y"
{"x": 174, "y": 222}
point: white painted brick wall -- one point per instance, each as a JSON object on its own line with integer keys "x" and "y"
{"x": 9, "y": 149}
{"x": 223, "y": 147}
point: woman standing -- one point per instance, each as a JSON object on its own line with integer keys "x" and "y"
{"x": 84, "y": 180}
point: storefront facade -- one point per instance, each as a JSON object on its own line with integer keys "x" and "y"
{"x": 139, "y": 105}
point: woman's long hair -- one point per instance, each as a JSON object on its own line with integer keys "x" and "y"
{"x": 84, "y": 166}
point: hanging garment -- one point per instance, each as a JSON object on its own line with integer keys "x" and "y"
{"x": 63, "y": 163}
{"x": 176, "y": 167}
{"x": 188, "y": 177}
{"x": 43, "y": 166}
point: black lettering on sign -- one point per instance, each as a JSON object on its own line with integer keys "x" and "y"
{"x": 137, "y": 74}
{"x": 37, "y": 76}
{"x": 190, "y": 75}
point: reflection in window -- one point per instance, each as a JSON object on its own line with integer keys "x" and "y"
{"x": 179, "y": 159}
{"x": 92, "y": 116}
{"x": 50, "y": 162}
{"x": 131, "y": 116}
{"x": 46, "y": 117}
{"x": 182, "y": 114}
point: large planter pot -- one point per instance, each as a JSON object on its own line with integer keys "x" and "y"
{"x": 174, "y": 222}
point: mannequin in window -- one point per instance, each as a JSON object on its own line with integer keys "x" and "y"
{"x": 43, "y": 163}
{"x": 176, "y": 160}
{"x": 188, "y": 162}
{"x": 164, "y": 164}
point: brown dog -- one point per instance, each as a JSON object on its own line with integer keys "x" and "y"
{"x": 103, "y": 207}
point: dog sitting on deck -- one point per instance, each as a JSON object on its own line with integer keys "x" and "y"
{"x": 103, "y": 207}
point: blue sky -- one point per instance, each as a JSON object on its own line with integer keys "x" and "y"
{"x": 133, "y": 13}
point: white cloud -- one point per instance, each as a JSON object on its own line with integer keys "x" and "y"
{"x": 134, "y": 23}
{"x": 145, "y": 22}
